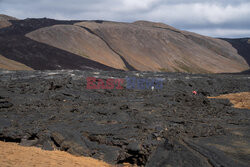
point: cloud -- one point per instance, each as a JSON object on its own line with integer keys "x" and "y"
{"x": 218, "y": 32}
{"x": 202, "y": 16}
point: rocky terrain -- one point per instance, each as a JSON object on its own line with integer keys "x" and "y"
{"x": 153, "y": 128}
{"x": 47, "y": 44}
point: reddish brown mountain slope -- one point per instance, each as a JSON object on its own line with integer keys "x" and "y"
{"x": 15, "y": 46}
{"x": 79, "y": 41}
{"x": 152, "y": 46}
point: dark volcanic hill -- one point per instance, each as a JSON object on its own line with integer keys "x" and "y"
{"x": 243, "y": 47}
{"x": 46, "y": 44}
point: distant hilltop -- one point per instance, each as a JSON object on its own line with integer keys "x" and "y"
{"x": 47, "y": 44}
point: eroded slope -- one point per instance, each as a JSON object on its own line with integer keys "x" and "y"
{"x": 157, "y": 48}
{"x": 78, "y": 41}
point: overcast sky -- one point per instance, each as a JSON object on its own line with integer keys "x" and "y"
{"x": 217, "y": 18}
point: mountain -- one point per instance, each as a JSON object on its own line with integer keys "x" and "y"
{"x": 79, "y": 41}
{"x": 38, "y": 56}
{"x": 46, "y": 44}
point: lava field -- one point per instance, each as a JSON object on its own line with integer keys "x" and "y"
{"x": 151, "y": 127}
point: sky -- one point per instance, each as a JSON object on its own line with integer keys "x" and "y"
{"x": 216, "y": 18}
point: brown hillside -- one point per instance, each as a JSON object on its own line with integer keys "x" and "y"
{"x": 79, "y": 41}
{"x": 142, "y": 45}
{"x": 8, "y": 64}
{"x": 155, "y": 46}
{"x": 4, "y": 20}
